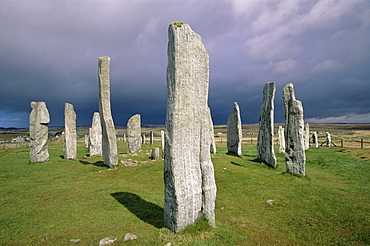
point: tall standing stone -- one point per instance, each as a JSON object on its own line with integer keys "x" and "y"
{"x": 39, "y": 120}
{"x": 190, "y": 188}
{"x": 315, "y": 140}
{"x": 162, "y": 142}
{"x": 328, "y": 139}
{"x": 234, "y": 131}
{"x": 95, "y": 136}
{"x": 109, "y": 144}
{"x": 295, "y": 156}
{"x": 151, "y": 137}
{"x": 134, "y": 138}
{"x": 154, "y": 154}
{"x": 281, "y": 140}
{"x": 306, "y": 131}
{"x": 265, "y": 142}
{"x": 70, "y": 134}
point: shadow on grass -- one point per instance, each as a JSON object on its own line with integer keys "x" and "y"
{"x": 237, "y": 164}
{"x": 146, "y": 211}
{"x": 97, "y": 163}
{"x": 234, "y": 154}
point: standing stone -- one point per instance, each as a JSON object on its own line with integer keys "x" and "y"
{"x": 154, "y": 154}
{"x": 234, "y": 131}
{"x": 87, "y": 141}
{"x": 315, "y": 140}
{"x": 190, "y": 188}
{"x": 306, "y": 135}
{"x": 39, "y": 120}
{"x": 95, "y": 136}
{"x": 328, "y": 139}
{"x": 281, "y": 140}
{"x": 109, "y": 144}
{"x": 143, "y": 139}
{"x": 124, "y": 137}
{"x": 134, "y": 138}
{"x": 265, "y": 143}
{"x": 295, "y": 156}
{"x": 162, "y": 142}
{"x": 70, "y": 134}
{"x": 213, "y": 143}
{"x": 151, "y": 137}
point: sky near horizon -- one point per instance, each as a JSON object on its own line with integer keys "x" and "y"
{"x": 50, "y": 51}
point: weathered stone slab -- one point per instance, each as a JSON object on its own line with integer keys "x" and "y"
{"x": 234, "y": 131}
{"x": 70, "y": 134}
{"x": 109, "y": 144}
{"x": 281, "y": 140}
{"x": 162, "y": 143}
{"x": 134, "y": 138}
{"x": 265, "y": 141}
{"x": 306, "y": 134}
{"x": 154, "y": 154}
{"x": 151, "y": 137}
{"x": 39, "y": 120}
{"x": 190, "y": 189}
{"x": 143, "y": 138}
{"x": 328, "y": 139}
{"x": 315, "y": 140}
{"x": 295, "y": 157}
{"x": 95, "y": 136}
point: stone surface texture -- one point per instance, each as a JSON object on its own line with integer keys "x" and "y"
{"x": 134, "y": 138}
{"x": 154, "y": 155}
{"x": 190, "y": 188}
{"x": 39, "y": 120}
{"x": 295, "y": 156}
{"x": 234, "y": 131}
{"x": 281, "y": 139}
{"x": 265, "y": 141}
{"x": 70, "y": 133}
{"x": 162, "y": 143}
{"x": 109, "y": 144}
{"x": 213, "y": 143}
{"x": 95, "y": 136}
{"x": 151, "y": 137}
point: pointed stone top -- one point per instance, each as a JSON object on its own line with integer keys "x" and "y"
{"x": 177, "y": 24}
{"x": 236, "y": 105}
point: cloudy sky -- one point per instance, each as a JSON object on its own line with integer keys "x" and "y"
{"x": 49, "y": 51}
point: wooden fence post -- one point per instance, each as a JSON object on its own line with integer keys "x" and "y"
{"x": 362, "y": 143}
{"x": 341, "y": 143}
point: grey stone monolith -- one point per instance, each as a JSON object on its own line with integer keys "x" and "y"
{"x": 151, "y": 137}
{"x": 306, "y": 134}
{"x": 328, "y": 139}
{"x": 39, "y": 120}
{"x": 109, "y": 144}
{"x": 86, "y": 139}
{"x": 134, "y": 138}
{"x": 265, "y": 141}
{"x": 295, "y": 156}
{"x": 95, "y": 136}
{"x": 281, "y": 139}
{"x": 162, "y": 143}
{"x": 315, "y": 140}
{"x": 124, "y": 137}
{"x": 143, "y": 138}
{"x": 190, "y": 188}
{"x": 154, "y": 154}
{"x": 234, "y": 131}
{"x": 70, "y": 133}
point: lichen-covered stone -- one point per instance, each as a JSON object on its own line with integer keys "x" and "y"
{"x": 162, "y": 143}
{"x": 70, "y": 134}
{"x": 151, "y": 137}
{"x": 134, "y": 137}
{"x": 154, "y": 155}
{"x": 95, "y": 136}
{"x": 234, "y": 131}
{"x": 265, "y": 141}
{"x": 39, "y": 120}
{"x": 109, "y": 144}
{"x": 190, "y": 188}
{"x": 328, "y": 139}
{"x": 295, "y": 156}
{"x": 281, "y": 140}
{"x": 213, "y": 148}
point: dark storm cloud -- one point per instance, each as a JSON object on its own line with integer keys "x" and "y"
{"x": 49, "y": 52}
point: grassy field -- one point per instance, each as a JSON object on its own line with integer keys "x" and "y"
{"x": 54, "y": 202}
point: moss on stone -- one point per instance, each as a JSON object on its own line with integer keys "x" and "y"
{"x": 177, "y": 24}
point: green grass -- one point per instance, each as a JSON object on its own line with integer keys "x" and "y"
{"x": 69, "y": 199}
